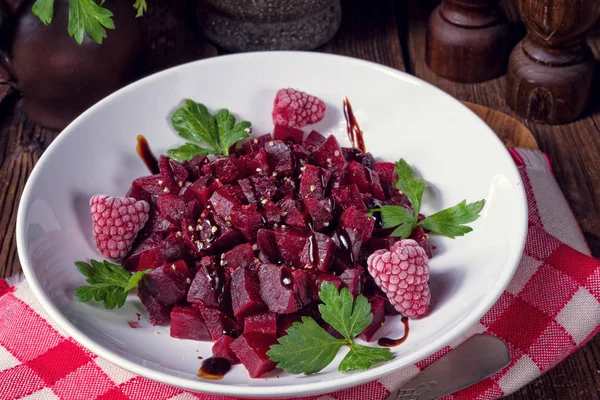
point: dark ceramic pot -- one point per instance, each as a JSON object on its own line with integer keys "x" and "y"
{"x": 243, "y": 25}
{"x": 58, "y": 78}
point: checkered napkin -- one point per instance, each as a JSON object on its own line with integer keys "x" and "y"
{"x": 549, "y": 309}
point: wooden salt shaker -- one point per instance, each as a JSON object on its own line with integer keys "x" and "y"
{"x": 467, "y": 40}
{"x": 550, "y": 71}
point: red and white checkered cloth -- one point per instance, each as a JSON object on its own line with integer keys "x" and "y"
{"x": 549, "y": 309}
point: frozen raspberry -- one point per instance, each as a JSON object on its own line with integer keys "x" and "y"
{"x": 116, "y": 222}
{"x": 402, "y": 273}
{"x": 296, "y": 109}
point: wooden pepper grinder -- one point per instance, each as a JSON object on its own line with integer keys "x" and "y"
{"x": 467, "y": 40}
{"x": 550, "y": 71}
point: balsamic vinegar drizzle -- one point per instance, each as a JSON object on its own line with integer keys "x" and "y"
{"x": 143, "y": 150}
{"x": 214, "y": 368}
{"x": 387, "y": 342}
{"x": 354, "y": 133}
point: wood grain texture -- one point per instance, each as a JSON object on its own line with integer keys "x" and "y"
{"x": 575, "y": 153}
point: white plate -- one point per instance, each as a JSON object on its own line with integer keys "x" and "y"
{"x": 401, "y": 117}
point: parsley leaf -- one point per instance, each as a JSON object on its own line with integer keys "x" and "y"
{"x": 88, "y": 18}
{"x": 345, "y": 315}
{"x": 363, "y": 357}
{"x": 450, "y": 222}
{"x": 410, "y": 185}
{"x": 108, "y": 283}
{"x": 307, "y": 348}
{"x": 44, "y": 10}
{"x": 141, "y": 6}
{"x": 216, "y": 133}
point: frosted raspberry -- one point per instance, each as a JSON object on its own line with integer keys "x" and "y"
{"x": 116, "y": 222}
{"x": 402, "y": 273}
{"x": 297, "y": 109}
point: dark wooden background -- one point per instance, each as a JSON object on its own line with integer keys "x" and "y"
{"x": 387, "y": 32}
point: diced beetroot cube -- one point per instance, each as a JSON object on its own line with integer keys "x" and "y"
{"x": 223, "y": 202}
{"x": 222, "y": 349}
{"x": 265, "y": 239}
{"x": 255, "y": 144}
{"x": 260, "y": 163}
{"x": 318, "y": 251}
{"x": 159, "y": 312}
{"x": 171, "y": 249}
{"x": 133, "y": 258}
{"x": 241, "y": 255}
{"x": 236, "y": 191}
{"x": 271, "y": 212}
{"x": 395, "y": 198}
{"x": 287, "y": 187}
{"x": 290, "y": 244}
{"x": 180, "y": 173}
{"x": 419, "y": 236}
{"x": 314, "y": 182}
{"x": 248, "y": 190}
{"x": 245, "y": 297}
{"x": 226, "y": 237}
{"x": 320, "y": 212}
{"x": 194, "y": 166}
{"x": 191, "y": 235}
{"x": 187, "y": 323}
{"x": 280, "y": 157}
{"x": 251, "y": 349}
{"x": 207, "y": 169}
{"x": 348, "y": 196}
{"x": 329, "y": 155}
{"x": 303, "y": 286}
{"x": 288, "y": 134}
{"x": 353, "y": 280}
{"x": 248, "y": 221}
{"x": 276, "y": 288}
{"x": 292, "y": 213}
{"x": 378, "y": 310}
{"x": 166, "y": 174}
{"x": 148, "y": 187}
{"x": 217, "y": 322}
{"x": 313, "y": 141}
{"x": 301, "y": 155}
{"x": 225, "y": 170}
{"x": 173, "y": 208}
{"x": 348, "y": 242}
{"x": 168, "y": 283}
{"x": 210, "y": 285}
{"x": 264, "y": 322}
{"x": 285, "y": 321}
{"x": 158, "y": 224}
{"x": 387, "y": 173}
{"x": 352, "y": 218}
{"x": 320, "y": 277}
{"x": 366, "y": 180}
{"x": 264, "y": 187}
{"x": 338, "y": 178}
{"x": 202, "y": 189}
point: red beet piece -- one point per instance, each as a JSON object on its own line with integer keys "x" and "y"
{"x": 168, "y": 283}
{"x": 348, "y": 196}
{"x": 173, "y": 248}
{"x": 187, "y": 323}
{"x": 320, "y": 277}
{"x": 132, "y": 260}
{"x": 248, "y": 190}
{"x": 378, "y": 310}
{"x": 318, "y": 251}
{"x": 248, "y": 221}
{"x": 210, "y": 285}
{"x": 276, "y": 288}
{"x": 419, "y": 236}
{"x": 180, "y": 173}
{"x": 285, "y": 321}
{"x": 314, "y": 182}
{"x": 354, "y": 154}
{"x": 251, "y": 349}
{"x": 241, "y": 255}
{"x": 148, "y": 187}
{"x": 166, "y": 174}
{"x": 217, "y": 322}
{"x": 245, "y": 297}
{"x": 288, "y": 134}
{"x": 349, "y": 243}
{"x": 225, "y": 170}
{"x": 222, "y": 349}
{"x": 301, "y": 155}
{"x": 352, "y": 218}
{"x": 271, "y": 212}
{"x": 353, "y": 280}
{"x": 264, "y": 187}
{"x": 313, "y": 141}
{"x": 280, "y": 157}
{"x": 320, "y": 212}
{"x": 159, "y": 312}
{"x": 255, "y": 144}
{"x": 292, "y": 212}
{"x": 158, "y": 224}
{"x": 387, "y": 173}
{"x": 223, "y": 202}
{"x": 194, "y": 166}
{"x": 202, "y": 189}
{"x": 395, "y": 198}
{"x": 329, "y": 155}
{"x": 172, "y": 208}
{"x": 303, "y": 286}
{"x": 218, "y": 235}
{"x": 264, "y": 322}
{"x": 260, "y": 163}
{"x": 290, "y": 244}
{"x": 366, "y": 180}
{"x": 265, "y": 239}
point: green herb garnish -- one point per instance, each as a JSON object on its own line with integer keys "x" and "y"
{"x": 108, "y": 283}
{"x": 449, "y": 222}
{"x": 308, "y": 348}
{"x": 210, "y": 134}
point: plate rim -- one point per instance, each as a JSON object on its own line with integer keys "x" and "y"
{"x": 300, "y": 389}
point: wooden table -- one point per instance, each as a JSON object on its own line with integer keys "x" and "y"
{"x": 387, "y": 32}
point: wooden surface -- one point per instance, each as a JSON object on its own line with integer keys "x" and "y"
{"x": 391, "y": 33}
